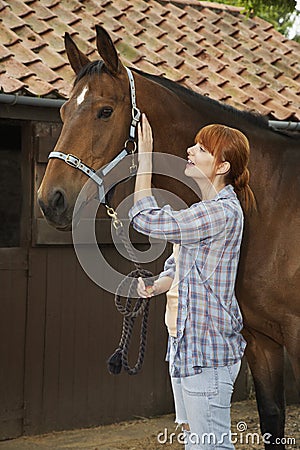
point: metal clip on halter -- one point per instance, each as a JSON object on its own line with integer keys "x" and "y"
{"x": 112, "y": 213}
{"x": 133, "y": 167}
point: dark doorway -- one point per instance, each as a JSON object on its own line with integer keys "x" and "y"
{"x": 10, "y": 185}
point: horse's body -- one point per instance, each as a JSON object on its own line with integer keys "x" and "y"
{"x": 269, "y": 274}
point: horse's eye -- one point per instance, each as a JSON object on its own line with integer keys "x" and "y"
{"x": 105, "y": 112}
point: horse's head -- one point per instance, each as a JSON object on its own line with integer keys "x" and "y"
{"x": 96, "y": 121}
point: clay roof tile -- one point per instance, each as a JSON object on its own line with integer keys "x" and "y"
{"x": 20, "y": 8}
{"x": 15, "y": 69}
{"x": 4, "y": 53}
{"x": 38, "y": 25}
{"x": 36, "y": 86}
{"x": 31, "y": 39}
{"x": 10, "y": 85}
{"x": 206, "y": 46}
{"x": 23, "y": 54}
{"x": 8, "y": 37}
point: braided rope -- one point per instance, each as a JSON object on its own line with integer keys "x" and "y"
{"x": 119, "y": 358}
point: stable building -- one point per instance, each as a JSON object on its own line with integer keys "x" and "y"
{"x": 57, "y": 327}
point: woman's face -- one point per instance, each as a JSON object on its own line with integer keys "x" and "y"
{"x": 201, "y": 163}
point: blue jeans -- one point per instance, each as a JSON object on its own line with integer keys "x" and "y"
{"x": 203, "y": 401}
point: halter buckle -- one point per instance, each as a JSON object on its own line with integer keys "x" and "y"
{"x": 73, "y": 161}
{"x": 136, "y": 114}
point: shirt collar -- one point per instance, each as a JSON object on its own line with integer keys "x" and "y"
{"x": 226, "y": 192}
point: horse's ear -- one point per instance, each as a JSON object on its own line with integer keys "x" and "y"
{"x": 76, "y": 58}
{"x": 108, "y": 51}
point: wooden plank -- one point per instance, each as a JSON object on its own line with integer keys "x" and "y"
{"x": 45, "y": 138}
{"x": 12, "y": 259}
{"x": 104, "y": 328}
{"x": 53, "y": 326}
{"x": 35, "y": 340}
{"x": 81, "y": 305}
{"x": 12, "y": 340}
{"x": 67, "y": 337}
{"x": 44, "y": 234}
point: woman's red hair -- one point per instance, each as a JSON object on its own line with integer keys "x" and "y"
{"x": 230, "y": 144}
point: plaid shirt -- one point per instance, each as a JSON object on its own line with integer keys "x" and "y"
{"x": 209, "y": 320}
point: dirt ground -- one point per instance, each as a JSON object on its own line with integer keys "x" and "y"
{"x": 150, "y": 434}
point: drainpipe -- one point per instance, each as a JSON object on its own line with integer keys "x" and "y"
{"x": 31, "y": 101}
{"x": 281, "y": 125}
{"x": 11, "y": 100}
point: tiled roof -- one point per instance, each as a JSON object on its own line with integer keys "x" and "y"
{"x": 211, "y": 48}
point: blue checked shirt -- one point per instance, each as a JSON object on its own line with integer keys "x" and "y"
{"x": 209, "y": 320}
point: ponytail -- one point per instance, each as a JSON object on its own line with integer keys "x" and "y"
{"x": 244, "y": 192}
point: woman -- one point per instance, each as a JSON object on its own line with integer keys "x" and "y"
{"x": 205, "y": 344}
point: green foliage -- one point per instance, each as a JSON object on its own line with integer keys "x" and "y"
{"x": 280, "y": 13}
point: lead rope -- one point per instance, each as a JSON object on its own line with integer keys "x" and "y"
{"x": 119, "y": 359}
{"x": 129, "y": 311}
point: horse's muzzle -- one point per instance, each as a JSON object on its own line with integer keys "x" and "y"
{"x": 56, "y": 209}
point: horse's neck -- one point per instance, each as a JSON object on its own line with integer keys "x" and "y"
{"x": 176, "y": 116}
{"x": 174, "y": 122}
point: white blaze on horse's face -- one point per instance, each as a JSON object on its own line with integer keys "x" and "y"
{"x": 81, "y": 96}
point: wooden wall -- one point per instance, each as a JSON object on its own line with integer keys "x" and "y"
{"x": 72, "y": 328}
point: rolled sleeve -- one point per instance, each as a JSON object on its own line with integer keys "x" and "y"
{"x": 191, "y": 225}
{"x": 169, "y": 268}
{"x": 144, "y": 204}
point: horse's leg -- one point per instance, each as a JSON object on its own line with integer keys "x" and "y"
{"x": 266, "y": 361}
{"x": 292, "y": 344}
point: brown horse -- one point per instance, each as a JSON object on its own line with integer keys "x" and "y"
{"x": 96, "y": 122}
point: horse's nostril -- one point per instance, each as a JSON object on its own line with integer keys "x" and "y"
{"x": 58, "y": 201}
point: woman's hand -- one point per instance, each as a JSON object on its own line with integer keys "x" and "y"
{"x": 160, "y": 286}
{"x": 144, "y": 172}
{"x": 145, "y": 144}
{"x": 143, "y": 291}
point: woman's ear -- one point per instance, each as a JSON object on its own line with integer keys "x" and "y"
{"x": 223, "y": 168}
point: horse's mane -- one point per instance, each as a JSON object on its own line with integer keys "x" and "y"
{"x": 191, "y": 97}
